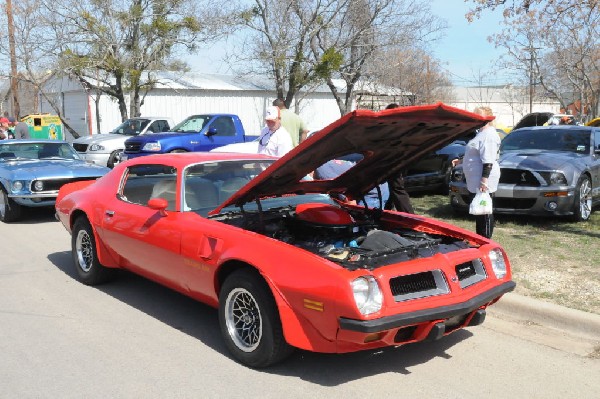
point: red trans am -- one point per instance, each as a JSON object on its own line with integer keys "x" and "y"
{"x": 285, "y": 261}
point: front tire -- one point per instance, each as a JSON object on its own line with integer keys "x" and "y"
{"x": 249, "y": 321}
{"x": 10, "y": 211}
{"x": 582, "y": 206}
{"x": 85, "y": 256}
{"x": 114, "y": 158}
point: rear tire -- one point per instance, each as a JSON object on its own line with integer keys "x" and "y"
{"x": 249, "y": 320}
{"x": 10, "y": 211}
{"x": 85, "y": 256}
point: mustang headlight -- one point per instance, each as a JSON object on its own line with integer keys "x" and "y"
{"x": 151, "y": 147}
{"x": 498, "y": 264}
{"x": 367, "y": 295}
{"x": 17, "y": 186}
{"x": 96, "y": 147}
{"x": 554, "y": 178}
{"x": 38, "y": 185}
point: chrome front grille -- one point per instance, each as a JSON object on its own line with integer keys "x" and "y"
{"x": 418, "y": 285}
{"x": 469, "y": 273}
{"x": 132, "y": 147}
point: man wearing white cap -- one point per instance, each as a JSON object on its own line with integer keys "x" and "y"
{"x": 274, "y": 139}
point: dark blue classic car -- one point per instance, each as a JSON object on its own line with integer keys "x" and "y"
{"x": 32, "y": 172}
{"x": 544, "y": 171}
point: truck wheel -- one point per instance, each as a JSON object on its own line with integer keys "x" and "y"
{"x": 114, "y": 158}
{"x": 250, "y": 322}
{"x": 85, "y": 257}
{"x": 10, "y": 211}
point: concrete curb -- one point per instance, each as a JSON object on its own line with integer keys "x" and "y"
{"x": 548, "y": 314}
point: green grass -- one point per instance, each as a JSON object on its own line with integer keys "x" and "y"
{"x": 552, "y": 258}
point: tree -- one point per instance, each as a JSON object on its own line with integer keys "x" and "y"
{"x": 307, "y": 41}
{"x": 415, "y": 71}
{"x": 560, "y": 52}
{"x": 512, "y": 8}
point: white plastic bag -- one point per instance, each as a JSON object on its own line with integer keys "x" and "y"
{"x": 481, "y": 204}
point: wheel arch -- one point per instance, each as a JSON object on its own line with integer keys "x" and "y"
{"x": 293, "y": 328}
{"x": 104, "y": 255}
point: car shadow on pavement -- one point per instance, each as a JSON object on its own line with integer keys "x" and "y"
{"x": 201, "y": 322}
{"x": 36, "y": 215}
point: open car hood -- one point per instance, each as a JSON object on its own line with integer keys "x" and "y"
{"x": 388, "y": 140}
{"x": 533, "y": 119}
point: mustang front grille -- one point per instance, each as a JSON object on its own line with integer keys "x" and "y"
{"x": 55, "y": 184}
{"x": 419, "y": 285}
{"x": 518, "y": 177}
{"x": 514, "y": 203}
{"x": 80, "y": 147}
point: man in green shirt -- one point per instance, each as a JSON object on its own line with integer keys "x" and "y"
{"x": 291, "y": 122}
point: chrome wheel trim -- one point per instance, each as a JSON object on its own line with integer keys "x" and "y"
{"x": 585, "y": 199}
{"x": 84, "y": 250}
{"x": 243, "y": 321}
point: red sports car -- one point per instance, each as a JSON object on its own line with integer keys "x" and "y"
{"x": 285, "y": 263}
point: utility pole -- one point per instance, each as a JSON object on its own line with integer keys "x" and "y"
{"x": 13, "y": 60}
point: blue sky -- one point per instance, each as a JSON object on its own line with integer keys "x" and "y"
{"x": 464, "y": 51}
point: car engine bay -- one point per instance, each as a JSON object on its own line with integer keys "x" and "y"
{"x": 352, "y": 238}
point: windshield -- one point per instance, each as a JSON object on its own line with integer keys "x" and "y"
{"x": 29, "y": 151}
{"x": 131, "y": 127}
{"x": 566, "y": 140}
{"x": 192, "y": 124}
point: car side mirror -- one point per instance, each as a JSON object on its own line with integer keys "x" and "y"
{"x": 158, "y": 204}
{"x": 211, "y": 131}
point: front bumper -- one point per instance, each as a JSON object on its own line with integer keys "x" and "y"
{"x": 426, "y": 315}
{"x": 95, "y": 158}
{"x": 516, "y": 200}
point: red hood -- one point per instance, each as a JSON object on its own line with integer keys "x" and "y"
{"x": 389, "y": 140}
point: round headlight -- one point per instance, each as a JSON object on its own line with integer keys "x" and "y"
{"x": 17, "y": 186}
{"x": 498, "y": 264}
{"x": 38, "y": 185}
{"x": 367, "y": 295}
{"x": 151, "y": 147}
{"x": 96, "y": 147}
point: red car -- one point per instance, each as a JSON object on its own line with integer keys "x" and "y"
{"x": 286, "y": 265}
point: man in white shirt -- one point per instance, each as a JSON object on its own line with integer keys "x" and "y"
{"x": 274, "y": 139}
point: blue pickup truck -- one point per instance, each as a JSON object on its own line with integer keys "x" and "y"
{"x": 195, "y": 133}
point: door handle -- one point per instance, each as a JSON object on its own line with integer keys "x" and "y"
{"x": 194, "y": 142}
{"x": 109, "y": 213}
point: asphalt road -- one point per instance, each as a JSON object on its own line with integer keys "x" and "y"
{"x": 133, "y": 339}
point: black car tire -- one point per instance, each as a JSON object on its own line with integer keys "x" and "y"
{"x": 10, "y": 211}
{"x": 582, "y": 204}
{"x": 249, "y": 320}
{"x": 177, "y": 151}
{"x": 85, "y": 256}
{"x": 114, "y": 158}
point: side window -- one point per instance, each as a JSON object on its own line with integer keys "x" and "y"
{"x": 597, "y": 140}
{"x": 224, "y": 126}
{"x": 143, "y": 182}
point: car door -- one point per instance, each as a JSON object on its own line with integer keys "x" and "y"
{"x": 144, "y": 240}
{"x": 596, "y": 164}
{"x": 220, "y": 131}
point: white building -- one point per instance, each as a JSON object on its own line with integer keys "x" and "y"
{"x": 179, "y": 96}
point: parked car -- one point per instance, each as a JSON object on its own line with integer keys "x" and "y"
{"x": 107, "y": 149}
{"x": 195, "y": 133}
{"x": 543, "y": 119}
{"x": 544, "y": 171}
{"x": 286, "y": 265}
{"x": 32, "y": 171}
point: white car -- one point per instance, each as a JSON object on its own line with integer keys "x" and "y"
{"x": 106, "y": 149}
